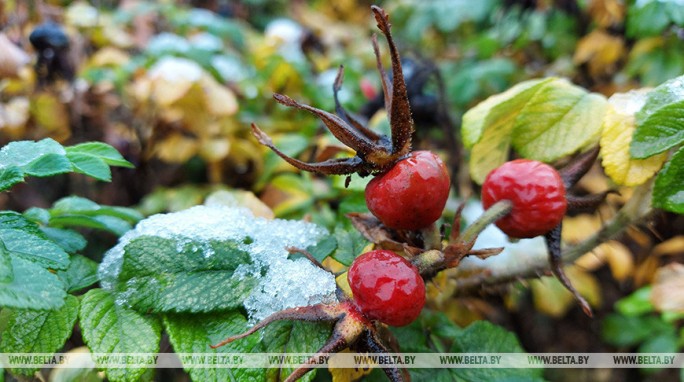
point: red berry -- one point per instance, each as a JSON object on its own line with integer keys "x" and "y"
{"x": 412, "y": 194}
{"x": 367, "y": 88}
{"x": 537, "y": 192}
{"x": 387, "y": 287}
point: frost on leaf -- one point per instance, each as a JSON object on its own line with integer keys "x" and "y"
{"x": 203, "y": 242}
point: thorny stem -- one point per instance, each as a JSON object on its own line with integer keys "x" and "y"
{"x": 496, "y": 272}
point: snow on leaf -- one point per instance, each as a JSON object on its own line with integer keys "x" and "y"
{"x": 215, "y": 232}
{"x": 618, "y": 128}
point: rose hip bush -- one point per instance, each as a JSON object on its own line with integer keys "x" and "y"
{"x": 385, "y": 242}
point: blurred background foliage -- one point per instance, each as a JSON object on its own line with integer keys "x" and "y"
{"x": 174, "y": 85}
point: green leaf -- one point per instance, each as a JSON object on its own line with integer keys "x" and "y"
{"x": 106, "y": 223}
{"x": 22, "y": 153}
{"x": 659, "y": 122}
{"x": 647, "y": 18}
{"x": 324, "y": 248}
{"x": 9, "y": 176}
{"x": 558, "y": 120}
{"x": 32, "y": 287}
{"x": 637, "y": 303}
{"x": 100, "y": 150}
{"x": 542, "y": 119}
{"x": 485, "y": 337}
{"x": 165, "y": 275}
{"x": 624, "y": 331}
{"x": 350, "y": 244}
{"x": 38, "y": 331}
{"x": 34, "y": 248}
{"x": 48, "y": 165}
{"x": 6, "y": 272}
{"x": 75, "y": 205}
{"x": 294, "y": 337}
{"x": 91, "y": 166}
{"x": 664, "y": 342}
{"x": 194, "y": 333}
{"x": 24, "y": 238}
{"x": 497, "y": 110}
{"x": 111, "y": 328}
{"x": 668, "y": 192}
{"x": 82, "y": 273}
{"x": 70, "y": 241}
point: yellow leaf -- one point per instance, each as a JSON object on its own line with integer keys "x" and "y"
{"x": 340, "y": 374}
{"x": 618, "y": 127}
{"x": 13, "y": 117}
{"x": 240, "y": 198}
{"x": 673, "y": 246}
{"x": 667, "y": 288}
{"x": 580, "y": 227}
{"x": 214, "y": 149}
{"x": 109, "y": 56}
{"x": 601, "y": 51}
{"x": 550, "y": 296}
{"x": 607, "y": 13}
{"x": 172, "y": 77}
{"x": 343, "y": 284}
{"x": 51, "y": 114}
{"x": 176, "y": 148}
{"x": 220, "y": 100}
{"x": 616, "y": 254}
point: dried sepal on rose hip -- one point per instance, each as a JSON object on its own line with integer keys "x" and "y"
{"x": 374, "y": 152}
{"x": 386, "y": 289}
{"x": 539, "y": 197}
{"x": 410, "y": 189}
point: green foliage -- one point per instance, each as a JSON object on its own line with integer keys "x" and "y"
{"x": 31, "y": 287}
{"x": 111, "y": 328}
{"x": 23, "y": 238}
{"x": 193, "y": 333}
{"x": 651, "y": 17}
{"x": 82, "y": 273}
{"x": 541, "y": 119}
{"x": 170, "y": 275}
{"x": 38, "y": 331}
{"x": 659, "y": 128}
{"x": 47, "y": 158}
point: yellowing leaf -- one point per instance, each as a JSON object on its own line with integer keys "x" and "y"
{"x": 668, "y": 284}
{"x": 541, "y": 119}
{"x": 618, "y": 128}
{"x": 51, "y": 115}
{"x": 172, "y": 77}
{"x": 109, "y": 56}
{"x": 607, "y": 13}
{"x": 551, "y": 297}
{"x": 214, "y": 149}
{"x": 616, "y": 254}
{"x": 240, "y": 198}
{"x": 601, "y": 51}
{"x": 13, "y": 117}
{"x": 673, "y": 246}
{"x": 176, "y": 148}
{"x": 220, "y": 100}
{"x": 580, "y": 227}
{"x": 342, "y": 374}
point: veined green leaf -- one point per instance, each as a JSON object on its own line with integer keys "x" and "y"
{"x": 6, "y": 272}
{"x": 166, "y": 275}
{"x": 31, "y": 287}
{"x": 100, "y": 150}
{"x": 193, "y": 333}
{"x": 542, "y": 119}
{"x": 660, "y": 121}
{"x": 111, "y": 328}
{"x": 668, "y": 192}
{"x": 91, "y": 166}
{"x": 294, "y": 337}
{"x": 48, "y": 165}
{"x": 24, "y": 238}
{"x": 38, "y": 331}
{"x": 82, "y": 273}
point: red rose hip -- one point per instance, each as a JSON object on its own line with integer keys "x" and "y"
{"x": 536, "y": 191}
{"x": 387, "y": 287}
{"x": 412, "y": 194}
